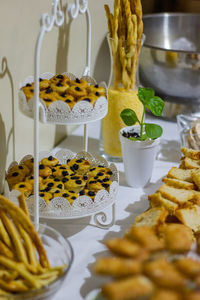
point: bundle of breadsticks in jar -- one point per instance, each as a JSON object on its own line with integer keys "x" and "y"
{"x": 125, "y": 29}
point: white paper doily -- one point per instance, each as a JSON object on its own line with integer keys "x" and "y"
{"x": 59, "y": 208}
{"x": 59, "y": 112}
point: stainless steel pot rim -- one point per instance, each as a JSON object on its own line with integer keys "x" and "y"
{"x": 157, "y": 15}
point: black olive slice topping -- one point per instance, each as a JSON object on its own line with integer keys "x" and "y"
{"x": 78, "y": 80}
{"x": 60, "y": 76}
{"x": 20, "y": 167}
{"x": 56, "y": 179}
{"x": 50, "y": 184}
{"x": 65, "y": 173}
{"x": 50, "y": 158}
{"x": 28, "y": 84}
{"x": 91, "y": 193}
{"x": 41, "y": 194}
{"x": 22, "y": 186}
{"x": 78, "y": 181}
{"x": 73, "y": 198}
{"x": 65, "y": 195}
{"x": 48, "y": 91}
{"x": 15, "y": 174}
{"x": 77, "y": 88}
{"x": 59, "y": 186}
{"x": 65, "y": 180}
{"x": 75, "y": 166}
{"x": 97, "y": 94}
{"x": 82, "y": 193}
{"x": 105, "y": 185}
{"x": 41, "y": 167}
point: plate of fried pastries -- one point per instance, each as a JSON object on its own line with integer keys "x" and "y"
{"x": 158, "y": 258}
{"x": 29, "y": 266}
{"x": 70, "y": 185}
{"x": 64, "y": 98}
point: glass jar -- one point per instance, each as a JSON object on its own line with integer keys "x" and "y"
{"x": 119, "y": 98}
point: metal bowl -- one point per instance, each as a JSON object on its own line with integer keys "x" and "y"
{"x": 170, "y": 58}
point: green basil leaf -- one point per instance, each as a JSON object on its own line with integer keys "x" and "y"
{"x": 145, "y": 94}
{"x": 156, "y": 105}
{"x": 153, "y": 131}
{"x": 129, "y": 117}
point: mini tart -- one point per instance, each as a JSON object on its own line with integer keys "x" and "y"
{"x": 88, "y": 193}
{"x": 28, "y": 90}
{"x": 77, "y": 91}
{"x": 68, "y": 99}
{"x": 14, "y": 178}
{"x": 50, "y": 161}
{"x": 46, "y": 196}
{"x": 98, "y": 184}
{"x": 22, "y": 168}
{"x": 44, "y": 84}
{"x": 76, "y": 183}
{"x": 44, "y": 171}
{"x": 80, "y": 83}
{"x": 48, "y": 96}
{"x": 80, "y": 166}
{"x": 60, "y": 78}
{"x": 30, "y": 179}
{"x": 62, "y": 171}
{"x": 51, "y": 186}
{"x": 89, "y": 98}
{"x": 59, "y": 87}
{"x": 24, "y": 187}
{"x": 29, "y": 163}
{"x": 70, "y": 196}
{"x": 99, "y": 171}
{"x": 96, "y": 90}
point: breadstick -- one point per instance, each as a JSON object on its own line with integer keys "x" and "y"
{"x": 107, "y": 9}
{"x": 22, "y": 204}
{"x": 4, "y": 250}
{"x": 22, "y": 219}
{"x": 14, "y": 234}
{"x": 4, "y": 235}
{"x": 30, "y": 249}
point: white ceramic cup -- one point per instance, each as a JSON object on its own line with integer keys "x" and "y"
{"x": 138, "y": 158}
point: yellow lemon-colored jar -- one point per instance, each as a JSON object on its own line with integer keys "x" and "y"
{"x": 112, "y": 123}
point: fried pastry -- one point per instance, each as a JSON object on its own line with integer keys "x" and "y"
{"x": 178, "y": 237}
{"x": 164, "y": 274}
{"x": 131, "y": 288}
{"x": 188, "y": 266}
{"x": 146, "y": 237}
{"x": 118, "y": 266}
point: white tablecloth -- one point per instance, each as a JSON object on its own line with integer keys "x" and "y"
{"x": 87, "y": 240}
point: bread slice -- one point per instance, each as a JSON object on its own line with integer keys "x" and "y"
{"x": 152, "y": 217}
{"x": 193, "y": 154}
{"x": 157, "y": 200}
{"x": 190, "y": 217}
{"x": 196, "y": 177}
{"x": 179, "y": 184}
{"x": 179, "y": 196}
{"x": 180, "y": 174}
{"x": 191, "y": 163}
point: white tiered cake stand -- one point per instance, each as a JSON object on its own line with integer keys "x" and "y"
{"x": 60, "y": 113}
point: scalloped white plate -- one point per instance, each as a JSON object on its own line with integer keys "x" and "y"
{"x": 59, "y": 208}
{"x": 59, "y": 112}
